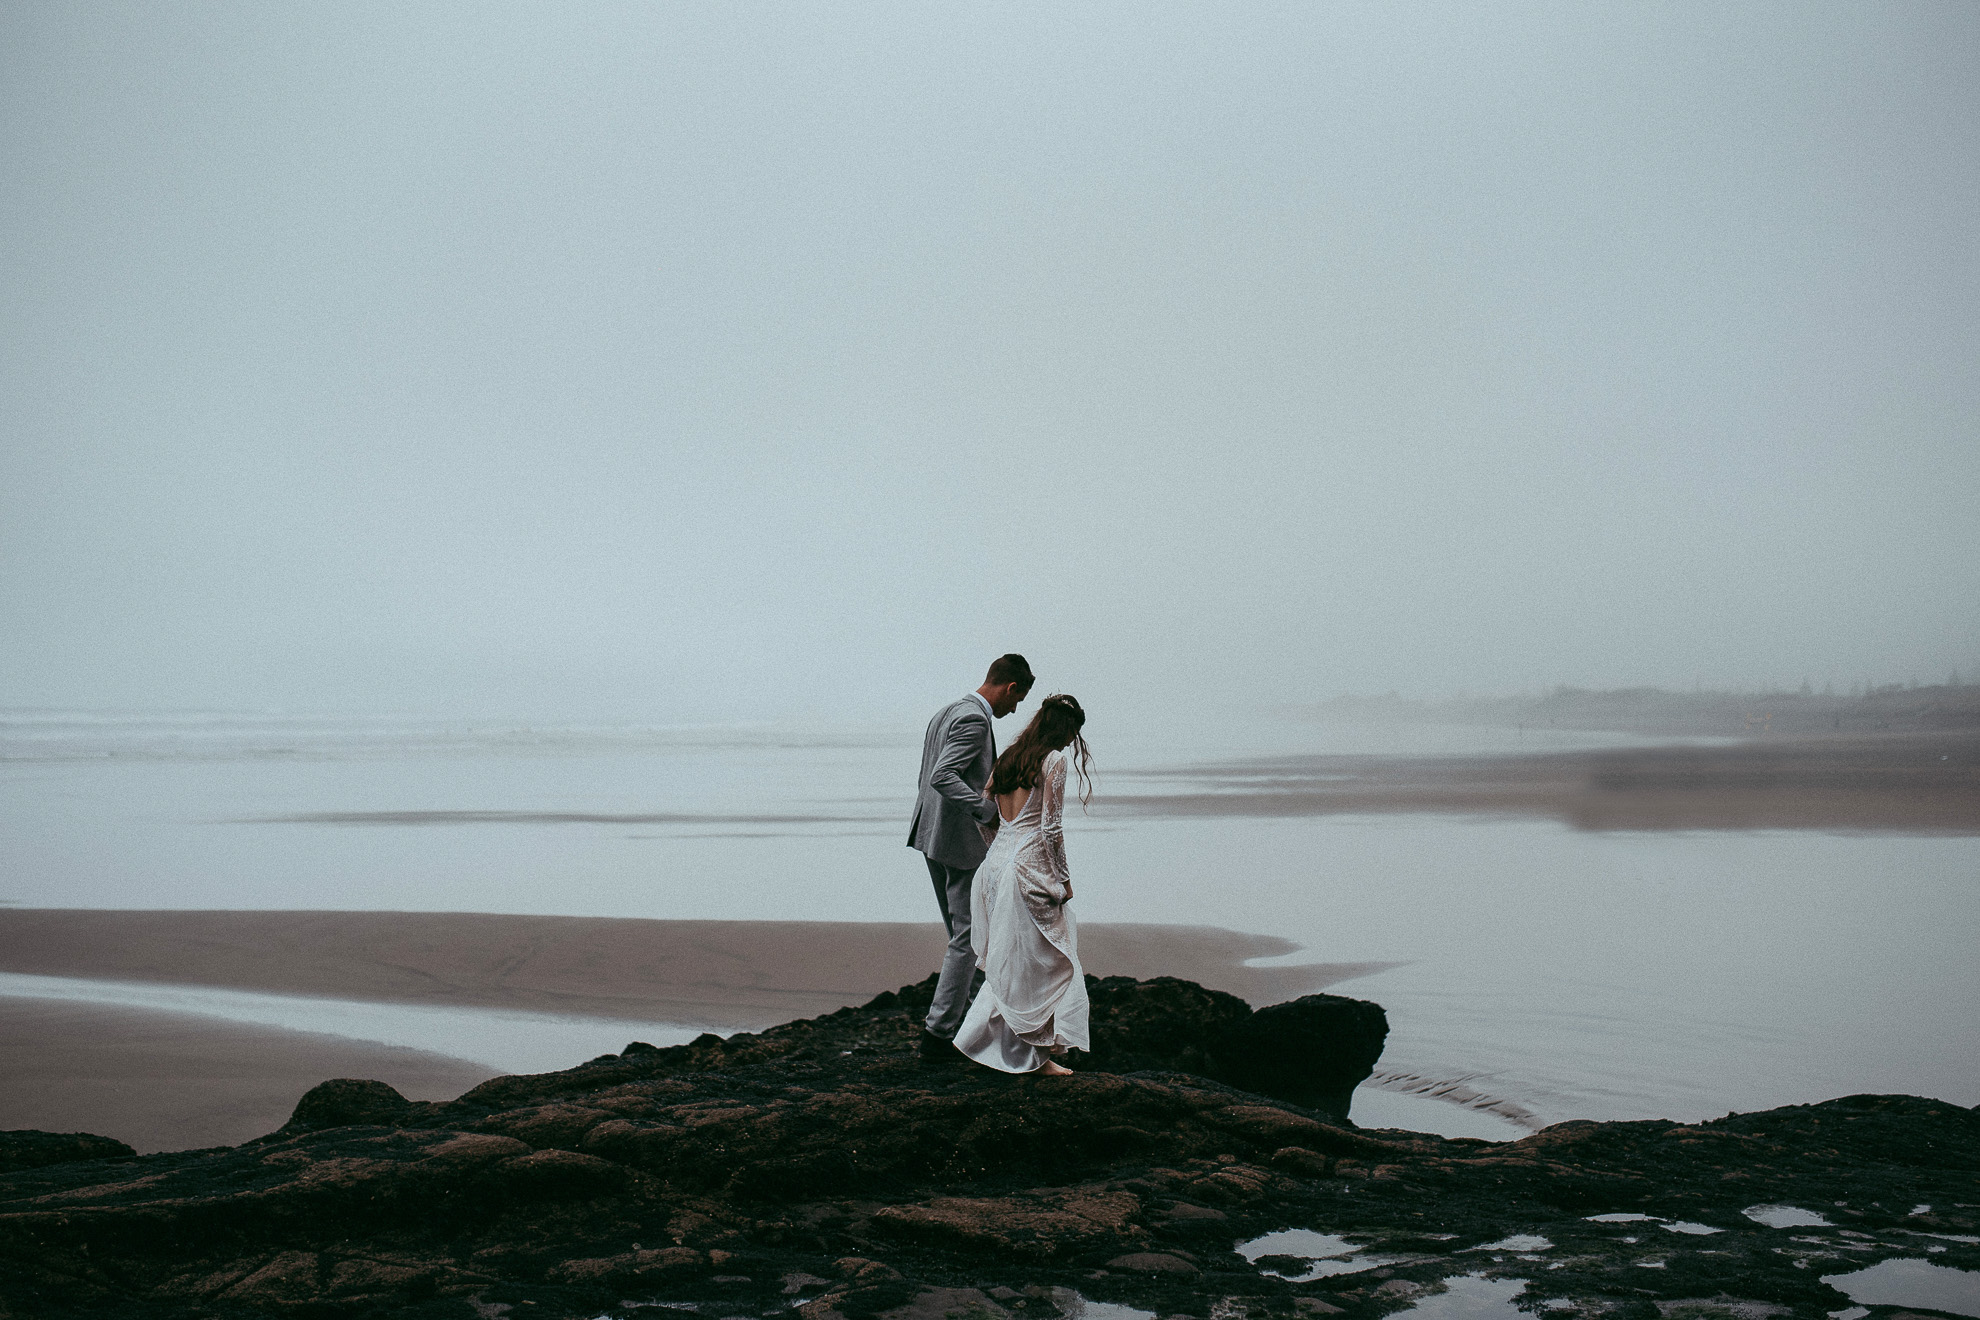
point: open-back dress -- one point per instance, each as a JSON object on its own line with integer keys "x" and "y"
{"x": 1033, "y": 1001}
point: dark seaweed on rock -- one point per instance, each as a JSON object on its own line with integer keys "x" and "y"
{"x": 1312, "y": 1051}
{"x": 819, "y": 1170}
{"x": 32, "y": 1150}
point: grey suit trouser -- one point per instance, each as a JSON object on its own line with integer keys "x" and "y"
{"x": 959, "y": 979}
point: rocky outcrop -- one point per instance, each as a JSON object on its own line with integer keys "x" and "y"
{"x": 819, "y": 1170}
{"x": 33, "y": 1150}
{"x": 1312, "y": 1051}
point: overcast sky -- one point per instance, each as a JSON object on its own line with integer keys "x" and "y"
{"x": 749, "y": 360}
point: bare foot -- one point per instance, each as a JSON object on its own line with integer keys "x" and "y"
{"x": 1050, "y": 1069}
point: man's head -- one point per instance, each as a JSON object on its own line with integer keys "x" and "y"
{"x": 1006, "y": 684}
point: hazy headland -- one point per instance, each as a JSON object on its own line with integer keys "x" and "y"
{"x": 1895, "y": 708}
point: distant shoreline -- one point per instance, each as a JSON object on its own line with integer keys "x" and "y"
{"x": 1893, "y": 709}
{"x": 1921, "y": 783}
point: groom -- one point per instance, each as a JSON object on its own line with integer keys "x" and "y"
{"x": 953, "y": 822}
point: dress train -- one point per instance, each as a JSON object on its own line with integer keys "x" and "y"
{"x": 1033, "y": 1000}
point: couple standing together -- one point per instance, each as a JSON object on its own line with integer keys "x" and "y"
{"x": 1011, "y": 993}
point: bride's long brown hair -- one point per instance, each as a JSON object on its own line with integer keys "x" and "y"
{"x": 1056, "y": 725}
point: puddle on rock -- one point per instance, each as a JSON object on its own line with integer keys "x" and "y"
{"x": 1517, "y": 1242}
{"x": 1785, "y": 1216}
{"x": 1470, "y": 1297}
{"x": 1720, "y": 1308}
{"x": 1074, "y": 1305}
{"x": 1909, "y": 1281}
{"x": 1668, "y": 1225}
{"x": 641, "y": 1306}
{"x": 1321, "y": 1255}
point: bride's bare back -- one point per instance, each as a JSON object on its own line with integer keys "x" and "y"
{"x": 1011, "y": 805}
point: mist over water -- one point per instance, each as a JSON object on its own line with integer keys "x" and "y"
{"x": 745, "y": 363}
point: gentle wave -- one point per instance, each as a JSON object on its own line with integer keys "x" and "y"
{"x": 1457, "y": 1091}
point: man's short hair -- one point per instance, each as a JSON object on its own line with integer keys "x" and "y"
{"x": 1012, "y": 668}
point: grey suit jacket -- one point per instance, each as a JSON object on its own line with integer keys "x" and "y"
{"x": 957, "y": 754}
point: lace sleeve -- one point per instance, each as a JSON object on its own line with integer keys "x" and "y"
{"x": 1051, "y": 813}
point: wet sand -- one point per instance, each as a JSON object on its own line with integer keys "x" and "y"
{"x": 1911, "y": 784}
{"x": 173, "y": 1081}
{"x": 726, "y": 975}
{"x": 167, "y": 1081}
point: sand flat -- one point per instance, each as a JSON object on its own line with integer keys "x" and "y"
{"x": 169, "y": 1081}
{"x": 175, "y": 1081}
{"x": 727, "y": 975}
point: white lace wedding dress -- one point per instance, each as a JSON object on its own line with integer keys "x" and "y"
{"x": 1033, "y": 1000}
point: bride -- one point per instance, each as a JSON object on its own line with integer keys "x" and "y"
{"x": 1033, "y": 1001}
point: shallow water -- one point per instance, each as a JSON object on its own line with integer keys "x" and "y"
{"x": 1374, "y": 1107}
{"x": 1548, "y": 972}
{"x": 502, "y": 1039}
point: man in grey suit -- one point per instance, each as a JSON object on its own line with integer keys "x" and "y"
{"x": 951, "y": 817}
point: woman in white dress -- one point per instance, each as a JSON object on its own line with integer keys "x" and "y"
{"x": 1033, "y": 1001}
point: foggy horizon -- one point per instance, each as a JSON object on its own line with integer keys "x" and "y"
{"x": 756, "y": 364}
{"x": 1353, "y": 706}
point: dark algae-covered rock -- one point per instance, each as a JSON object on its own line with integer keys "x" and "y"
{"x": 345, "y": 1101}
{"x": 1312, "y": 1051}
{"x": 32, "y": 1150}
{"x": 821, "y": 1171}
